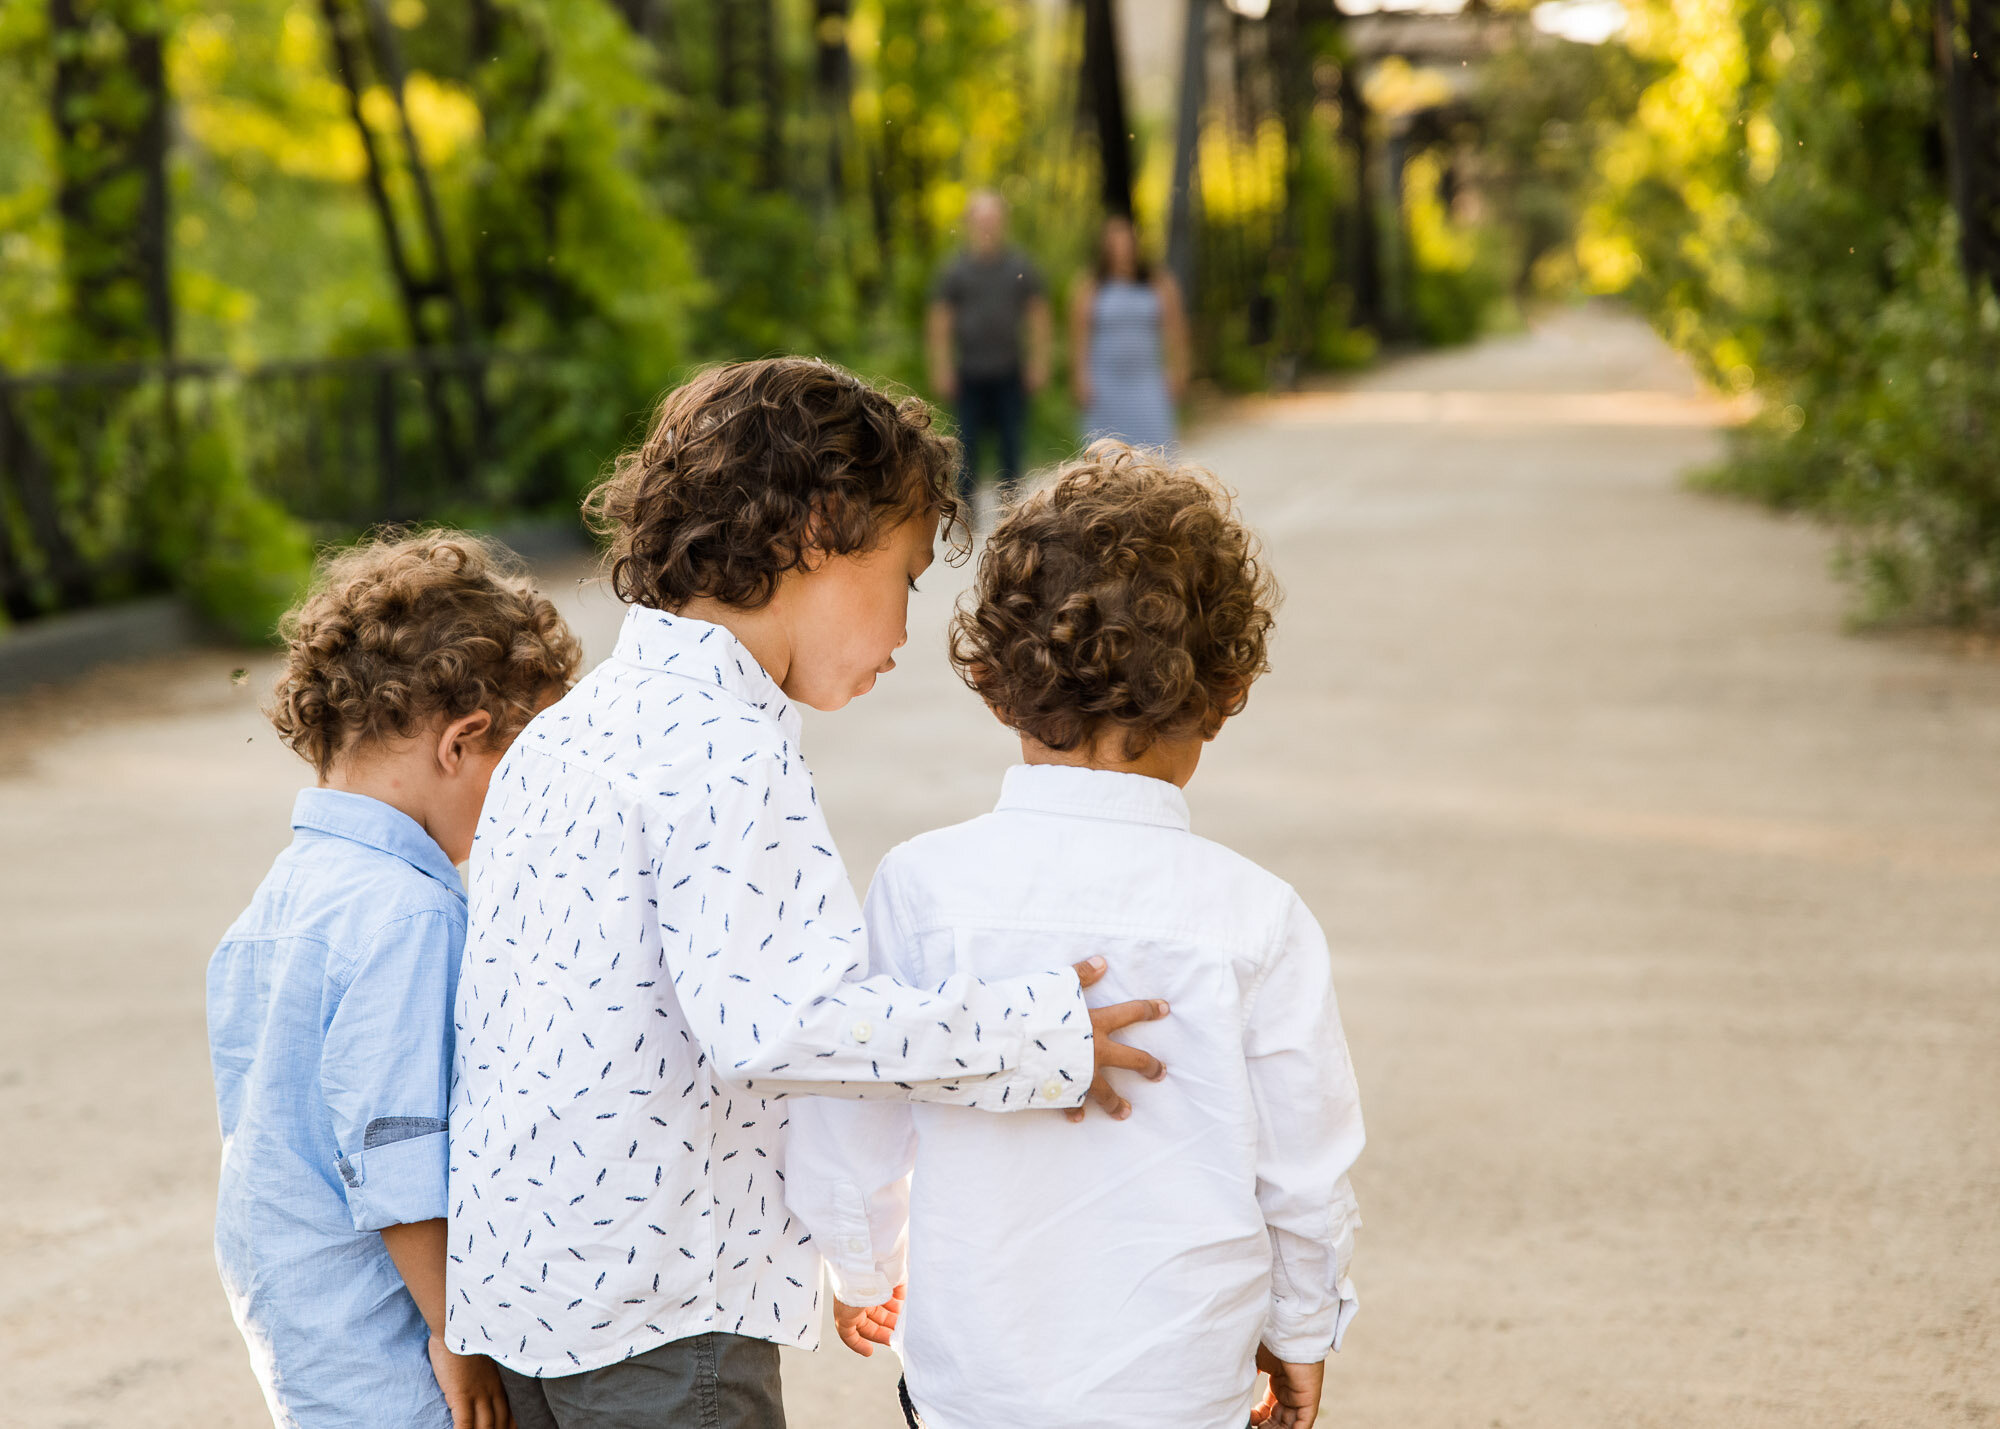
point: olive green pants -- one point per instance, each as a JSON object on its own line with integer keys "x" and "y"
{"x": 712, "y": 1381}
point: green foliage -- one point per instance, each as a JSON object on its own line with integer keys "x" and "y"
{"x": 146, "y": 498}
{"x": 1458, "y": 284}
{"x": 239, "y": 556}
{"x": 1778, "y": 207}
{"x": 30, "y": 255}
{"x": 109, "y": 110}
{"x": 623, "y": 190}
{"x": 1547, "y": 112}
{"x": 1907, "y": 457}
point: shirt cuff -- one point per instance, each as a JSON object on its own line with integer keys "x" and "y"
{"x": 858, "y": 1278}
{"x": 1056, "y": 1055}
{"x": 396, "y": 1184}
{"x": 1312, "y": 1339}
{"x": 858, "y": 1288}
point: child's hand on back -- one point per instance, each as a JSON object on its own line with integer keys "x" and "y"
{"x": 863, "y": 1328}
{"x": 1106, "y": 1053}
{"x": 472, "y": 1389}
{"x": 1292, "y": 1401}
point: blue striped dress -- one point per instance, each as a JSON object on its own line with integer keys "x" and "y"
{"x": 1128, "y": 380}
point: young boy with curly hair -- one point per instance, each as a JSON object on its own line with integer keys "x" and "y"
{"x": 409, "y": 668}
{"x": 1134, "y": 1273}
{"x": 664, "y": 943}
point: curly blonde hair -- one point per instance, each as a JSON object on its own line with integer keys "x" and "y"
{"x": 752, "y": 466}
{"x": 407, "y": 628}
{"x": 1125, "y": 594}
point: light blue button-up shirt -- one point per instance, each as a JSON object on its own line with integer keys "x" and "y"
{"x": 329, "y": 1025}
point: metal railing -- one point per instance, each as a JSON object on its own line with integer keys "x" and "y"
{"x": 96, "y": 462}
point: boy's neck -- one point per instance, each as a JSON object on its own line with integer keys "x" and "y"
{"x": 1172, "y": 760}
{"x": 397, "y": 776}
{"x": 761, "y": 631}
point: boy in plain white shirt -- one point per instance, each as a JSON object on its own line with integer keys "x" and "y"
{"x": 1121, "y": 1273}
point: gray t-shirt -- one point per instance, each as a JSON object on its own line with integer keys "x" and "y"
{"x": 988, "y": 299}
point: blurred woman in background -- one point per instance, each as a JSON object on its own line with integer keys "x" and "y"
{"x": 1128, "y": 344}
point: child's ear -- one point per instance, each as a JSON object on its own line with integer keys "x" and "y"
{"x": 459, "y": 737}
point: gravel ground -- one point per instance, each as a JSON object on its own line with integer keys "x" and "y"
{"x": 1662, "y": 912}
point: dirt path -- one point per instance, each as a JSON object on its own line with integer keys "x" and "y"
{"x": 1663, "y": 916}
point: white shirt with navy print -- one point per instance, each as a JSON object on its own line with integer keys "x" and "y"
{"x": 662, "y": 944}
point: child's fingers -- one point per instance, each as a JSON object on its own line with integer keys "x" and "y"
{"x": 851, "y": 1337}
{"x": 1124, "y": 1014}
{"x": 1102, "y": 1092}
{"x": 1132, "y": 1059}
{"x": 877, "y": 1328}
{"x": 1088, "y": 971}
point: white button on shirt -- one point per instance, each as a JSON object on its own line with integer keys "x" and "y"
{"x": 1111, "y": 1273}
{"x": 662, "y": 943}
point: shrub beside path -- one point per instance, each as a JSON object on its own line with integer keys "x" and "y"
{"x": 1662, "y": 913}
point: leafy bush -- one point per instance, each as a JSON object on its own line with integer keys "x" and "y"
{"x": 1778, "y": 207}
{"x": 239, "y": 556}
{"x": 1906, "y": 454}
{"x": 1458, "y": 272}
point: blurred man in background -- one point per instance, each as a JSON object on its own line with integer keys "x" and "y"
{"x": 987, "y": 334}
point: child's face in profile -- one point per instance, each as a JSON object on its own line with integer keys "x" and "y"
{"x": 849, "y": 615}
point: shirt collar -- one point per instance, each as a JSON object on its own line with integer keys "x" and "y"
{"x": 1094, "y": 794}
{"x": 378, "y": 825}
{"x": 706, "y": 653}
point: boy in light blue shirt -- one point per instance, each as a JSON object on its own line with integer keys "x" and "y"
{"x": 410, "y": 669}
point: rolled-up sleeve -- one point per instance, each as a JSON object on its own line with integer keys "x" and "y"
{"x": 386, "y": 1070}
{"x": 1309, "y": 1134}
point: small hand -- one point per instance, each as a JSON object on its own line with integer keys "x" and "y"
{"x": 863, "y": 1328}
{"x": 1292, "y": 1401}
{"x": 1107, "y": 1053}
{"x": 472, "y": 1389}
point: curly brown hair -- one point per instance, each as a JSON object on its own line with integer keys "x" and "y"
{"x": 752, "y": 467}
{"x": 1124, "y": 594}
{"x": 407, "y": 628}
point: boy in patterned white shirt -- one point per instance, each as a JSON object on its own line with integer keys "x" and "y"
{"x": 663, "y": 942}
{"x": 1120, "y": 618}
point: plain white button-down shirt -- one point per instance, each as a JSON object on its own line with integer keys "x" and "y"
{"x": 662, "y": 943}
{"x": 1112, "y": 1273}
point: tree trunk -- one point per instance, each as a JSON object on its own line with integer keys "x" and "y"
{"x": 833, "y": 73}
{"x": 109, "y": 104}
{"x": 1969, "y": 58}
{"x": 351, "y": 38}
{"x": 1291, "y": 58}
{"x": 771, "y": 95}
{"x": 389, "y": 64}
{"x": 343, "y": 30}
{"x": 1361, "y": 246}
{"x": 1106, "y": 91}
{"x": 1184, "y": 216}
{"x": 726, "y": 45}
